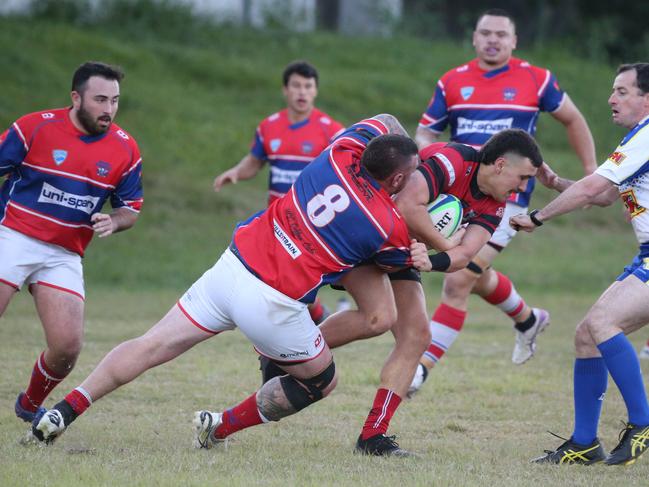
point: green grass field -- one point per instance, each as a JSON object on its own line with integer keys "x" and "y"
{"x": 193, "y": 102}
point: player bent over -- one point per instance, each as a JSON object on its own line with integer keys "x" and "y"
{"x": 601, "y": 345}
{"x": 338, "y": 213}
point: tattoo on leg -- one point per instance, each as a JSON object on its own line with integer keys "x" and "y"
{"x": 272, "y": 401}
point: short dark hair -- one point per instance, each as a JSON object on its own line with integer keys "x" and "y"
{"x": 94, "y": 68}
{"x": 497, "y": 12}
{"x": 386, "y": 154}
{"x": 642, "y": 73}
{"x": 514, "y": 141}
{"x": 302, "y": 68}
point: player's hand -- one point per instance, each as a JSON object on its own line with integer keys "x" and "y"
{"x": 547, "y": 177}
{"x": 522, "y": 222}
{"x": 102, "y": 224}
{"x": 228, "y": 177}
{"x": 456, "y": 238}
{"x": 419, "y": 255}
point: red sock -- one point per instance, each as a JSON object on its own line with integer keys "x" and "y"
{"x": 506, "y": 297}
{"x": 385, "y": 404}
{"x": 243, "y": 415}
{"x": 316, "y": 310}
{"x": 79, "y": 400}
{"x": 42, "y": 382}
{"x": 445, "y": 326}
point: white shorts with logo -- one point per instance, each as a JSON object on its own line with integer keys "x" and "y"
{"x": 26, "y": 260}
{"x": 228, "y": 296}
{"x": 504, "y": 233}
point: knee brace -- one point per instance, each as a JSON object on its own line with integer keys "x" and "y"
{"x": 478, "y": 266}
{"x": 304, "y": 392}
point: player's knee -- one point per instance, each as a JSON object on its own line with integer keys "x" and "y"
{"x": 304, "y": 392}
{"x": 380, "y": 319}
{"x": 459, "y": 284}
{"x": 583, "y": 338}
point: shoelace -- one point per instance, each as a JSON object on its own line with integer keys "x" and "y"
{"x": 565, "y": 440}
{"x": 622, "y": 436}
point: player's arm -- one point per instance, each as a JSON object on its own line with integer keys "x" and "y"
{"x": 12, "y": 151}
{"x": 247, "y": 168}
{"x": 475, "y": 237}
{"x": 590, "y": 190}
{"x": 424, "y": 137}
{"x": 578, "y": 133}
{"x": 412, "y": 202}
{"x": 120, "y": 219}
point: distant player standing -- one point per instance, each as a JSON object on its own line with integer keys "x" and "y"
{"x": 602, "y": 347}
{"x": 62, "y": 165}
{"x": 493, "y": 92}
{"x": 338, "y": 213}
{"x": 288, "y": 140}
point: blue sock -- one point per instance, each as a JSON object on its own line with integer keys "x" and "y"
{"x": 590, "y": 381}
{"x": 624, "y": 367}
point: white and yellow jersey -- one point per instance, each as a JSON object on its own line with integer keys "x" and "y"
{"x": 628, "y": 168}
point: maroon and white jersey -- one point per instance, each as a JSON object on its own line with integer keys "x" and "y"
{"x": 452, "y": 168}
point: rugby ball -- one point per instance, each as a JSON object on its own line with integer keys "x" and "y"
{"x": 446, "y": 214}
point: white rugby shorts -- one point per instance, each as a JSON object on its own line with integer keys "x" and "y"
{"x": 26, "y": 260}
{"x": 228, "y": 296}
{"x": 504, "y": 233}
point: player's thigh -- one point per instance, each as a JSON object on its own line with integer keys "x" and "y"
{"x": 370, "y": 288}
{"x": 412, "y": 317}
{"x": 61, "y": 314}
{"x": 7, "y": 292}
{"x": 624, "y": 305}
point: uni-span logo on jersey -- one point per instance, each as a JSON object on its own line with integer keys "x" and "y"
{"x": 307, "y": 147}
{"x": 616, "y": 158}
{"x": 103, "y": 168}
{"x": 466, "y": 92}
{"x": 274, "y": 144}
{"x": 56, "y": 196}
{"x": 59, "y": 155}
{"x": 468, "y": 126}
{"x": 509, "y": 94}
{"x": 286, "y": 242}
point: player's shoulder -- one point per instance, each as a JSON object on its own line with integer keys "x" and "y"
{"x": 32, "y": 120}
{"x": 462, "y": 69}
{"x": 123, "y": 136}
{"x": 521, "y": 65}
{"x": 324, "y": 118}
{"x": 274, "y": 118}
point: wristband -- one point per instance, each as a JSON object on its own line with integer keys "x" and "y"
{"x": 535, "y": 220}
{"x": 440, "y": 261}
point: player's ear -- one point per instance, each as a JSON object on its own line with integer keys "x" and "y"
{"x": 76, "y": 99}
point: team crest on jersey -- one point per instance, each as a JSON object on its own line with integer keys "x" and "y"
{"x": 509, "y": 94}
{"x": 307, "y": 147}
{"x": 275, "y": 144}
{"x": 59, "y": 155}
{"x": 616, "y": 158}
{"x": 466, "y": 92}
{"x": 631, "y": 203}
{"x": 103, "y": 168}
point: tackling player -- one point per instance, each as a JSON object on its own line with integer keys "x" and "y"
{"x": 288, "y": 140}
{"x": 61, "y": 166}
{"x": 338, "y": 213}
{"x": 600, "y": 340}
{"x": 493, "y": 92}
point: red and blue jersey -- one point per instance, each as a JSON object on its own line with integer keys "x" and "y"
{"x": 476, "y": 104}
{"x": 334, "y": 217}
{"x": 452, "y": 168}
{"x": 290, "y": 147}
{"x": 57, "y": 177}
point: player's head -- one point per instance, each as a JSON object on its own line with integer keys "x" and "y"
{"x": 300, "y": 87}
{"x": 494, "y": 38}
{"x": 95, "y": 96}
{"x": 508, "y": 159}
{"x": 630, "y": 98}
{"x": 391, "y": 159}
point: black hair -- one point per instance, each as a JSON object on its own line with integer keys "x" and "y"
{"x": 386, "y": 154}
{"x": 93, "y": 68}
{"x": 510, "y": 141}
{"x": 302, "y": 68}
{"x": 497, "y": 12}
{"x": 642, "y": 73}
